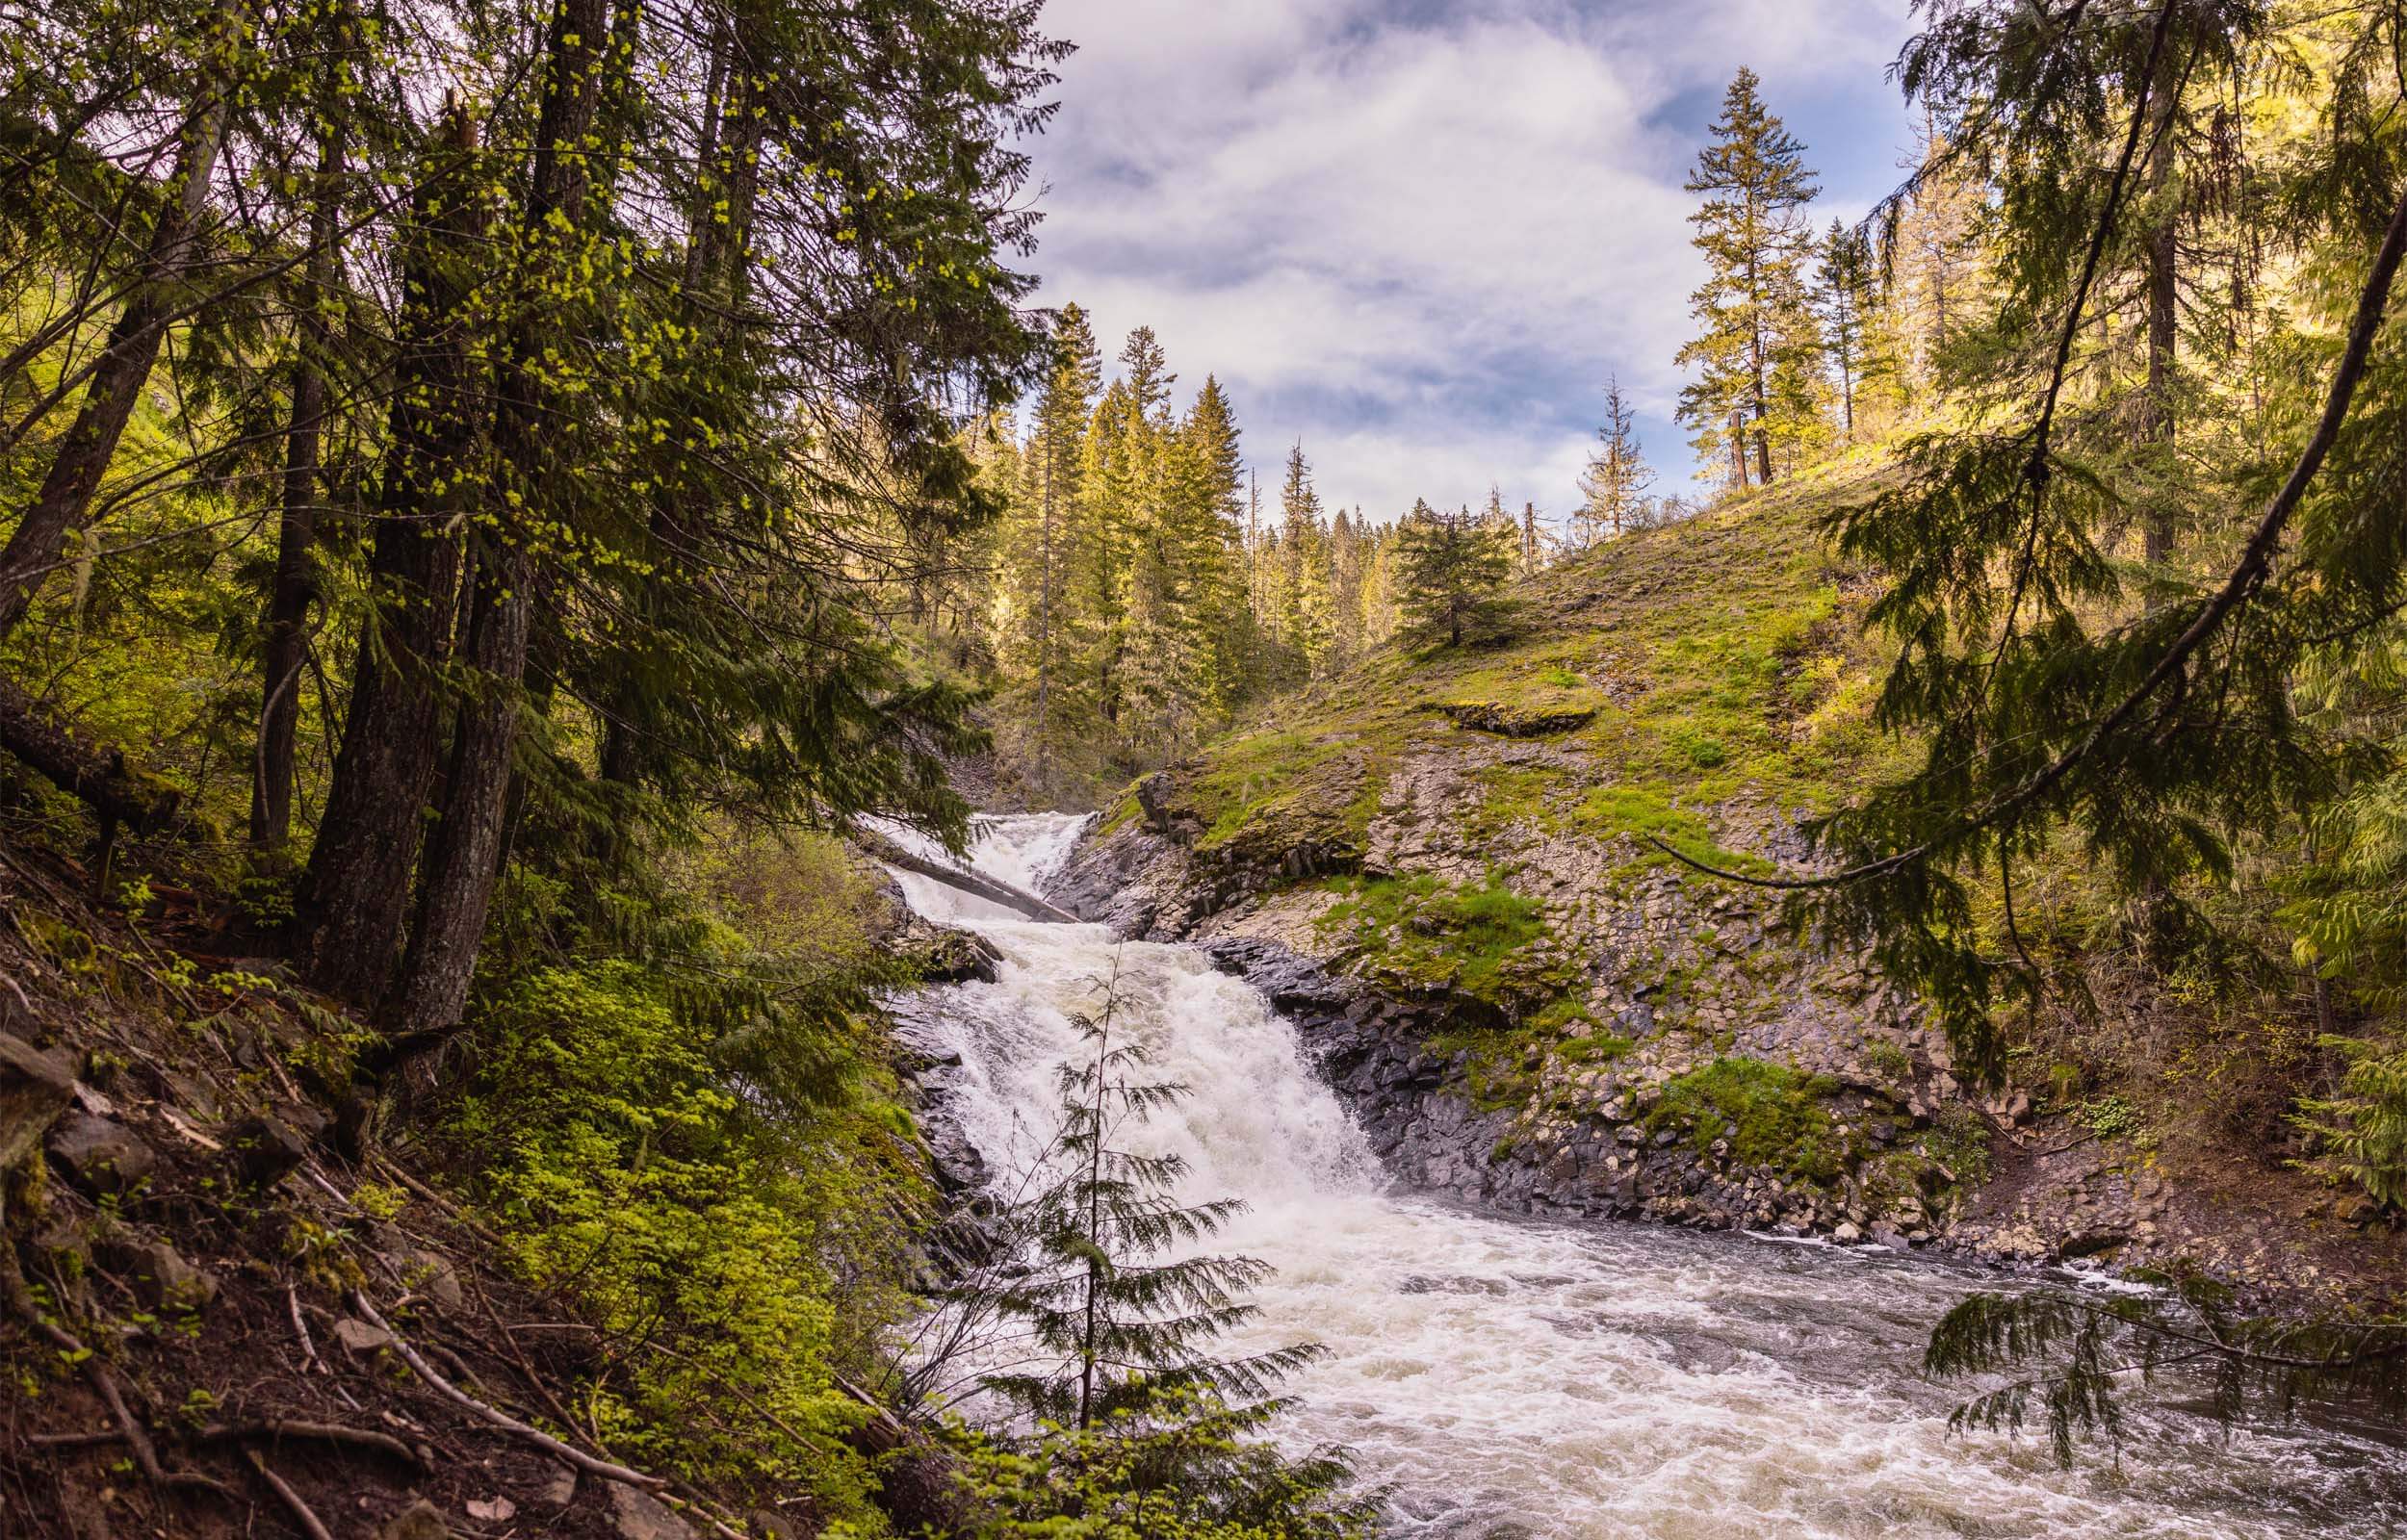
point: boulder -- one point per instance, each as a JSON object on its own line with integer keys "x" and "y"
{"x": 102, "y": 1158}
{"x": 264, "y": 1150}
{"x": 35, "y": 1089}
{"x": 355, "y": 1336}
{"x": 559, "y": 1486}
{"x": 161, "y": 1279}
{"x": 419, "y": 1521}
{"x": 638, "y": 1515}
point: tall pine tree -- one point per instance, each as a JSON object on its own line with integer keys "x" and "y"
{"x": 1757, "y": 354}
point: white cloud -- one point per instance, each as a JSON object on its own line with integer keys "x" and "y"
{"x": 1418, "y": 238}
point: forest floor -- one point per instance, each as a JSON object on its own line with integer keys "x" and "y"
{"x": 221, "y": 1326}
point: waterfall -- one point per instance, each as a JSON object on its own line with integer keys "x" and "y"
{"x": 1522, "y": 1378}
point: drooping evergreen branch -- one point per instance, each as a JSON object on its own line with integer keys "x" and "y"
{"x": 2240, "y": 587}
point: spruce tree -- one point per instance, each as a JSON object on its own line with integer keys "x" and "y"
{"x": 1452, "y": 568}
{"x": 1041, "y": 631}
{"x": 1303, "y": 617}
{"x": 1757, "y": 354}
{"x": 1115, "y": 1318}
{"x": 1613, "y": 486}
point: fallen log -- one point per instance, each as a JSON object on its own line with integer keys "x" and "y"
{"x": 975, "y": 884}
{"x": 99, "y": 777}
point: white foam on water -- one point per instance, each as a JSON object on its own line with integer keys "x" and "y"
{"x": 1521, "y": 1378}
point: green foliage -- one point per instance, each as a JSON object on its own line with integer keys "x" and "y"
{"x": 1758, "y": 357}
{"x": 1176, "y": 1466}
{"x": 2077, "y": 1353}
{"x": 1451, "y": 571}
{"x": 1771, "y": 1113}
{"x": 2363, "y": 1126}
{"x": 697, "y": 1143}
{"x": 1487, "y": 945}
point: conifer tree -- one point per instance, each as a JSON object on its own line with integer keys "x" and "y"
{"x": 1450, "y": 573}
{"x": 1615, "y": 484}
{"x": 1041, "y": 567}
{"x": 1115, "y": 1319}
{"x": 1757, "y": 354}
{"x": 1303, "y": 617}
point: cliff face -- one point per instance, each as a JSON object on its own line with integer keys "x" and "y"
{"x": 1449, "y": 869}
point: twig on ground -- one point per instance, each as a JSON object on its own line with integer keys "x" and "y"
{"x": 501, "y": 1420}
{"x": 309, "y": 1349}
{"x": 303, "y": 1514}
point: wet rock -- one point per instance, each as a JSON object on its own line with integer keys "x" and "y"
{"x": 100, "y": 1157}
{"x": 941, "y": 955}
{"x": 638, "y": 1515}
{"x": 35, "y": 1089}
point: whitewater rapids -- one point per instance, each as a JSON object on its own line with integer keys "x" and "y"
{"x": 1508, "y": 1377}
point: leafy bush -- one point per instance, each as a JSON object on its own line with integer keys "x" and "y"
{"x": 1180, "y": 1467}
{"x": 2363, "y": 1126}
{"x": 698, "y": 1144}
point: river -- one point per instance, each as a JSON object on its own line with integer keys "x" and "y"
{"x": 1507, "y": 1377}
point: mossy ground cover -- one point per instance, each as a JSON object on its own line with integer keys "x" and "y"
{"x": 1771, "y": 1115}
{"x": 1721, "y": 660}
{"x": 1479, "y": 944}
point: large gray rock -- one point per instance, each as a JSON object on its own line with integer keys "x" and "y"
{"x": 161, "y": 1277}
{"x": 641, "y": 1516}
{"x": 35, "y": 1089}
{"x": 102, "y": 1158}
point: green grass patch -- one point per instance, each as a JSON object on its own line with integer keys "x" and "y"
{"x": 1645, "y": 813}
{"x": 1771, "y": 1113}
{"x": 1477, "y": 943}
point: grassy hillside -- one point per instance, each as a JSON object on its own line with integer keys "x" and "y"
{"x": 1473, "y": 830}
{"x": 1686, "y": 681}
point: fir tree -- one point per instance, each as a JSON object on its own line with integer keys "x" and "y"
{"x": 1757, "y": 354}
{"x": 1615, "y": 484}
{"x": 1114, "y": 1319}
{"x": 1037, "y": 581}
{"x": 1303, "y": 618}
{"x": 1452, "y": 571}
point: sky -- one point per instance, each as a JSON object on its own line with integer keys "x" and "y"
{"x": 1417, "y": 236}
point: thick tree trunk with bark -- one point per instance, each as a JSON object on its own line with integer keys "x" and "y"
{"x": 463, "y": 863}
{"x": 116, "y": 385}
{"x": 465, "y": 856}
{"x": 356, "y": 895}
{"x": 296, "y": 585}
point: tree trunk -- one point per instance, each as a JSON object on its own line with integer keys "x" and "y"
{"x": 464, "y": 857}
{"x": 463, "y": 863}
{"x": 356, "y": 892}
{"x": 2164, "y": 299}
{"x": 1738, "y": 449}
{"x": 296, "y": 585}
{"x": 116, "y": 385}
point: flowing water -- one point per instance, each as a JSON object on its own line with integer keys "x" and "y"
{"x": 1508, "y": 1377}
